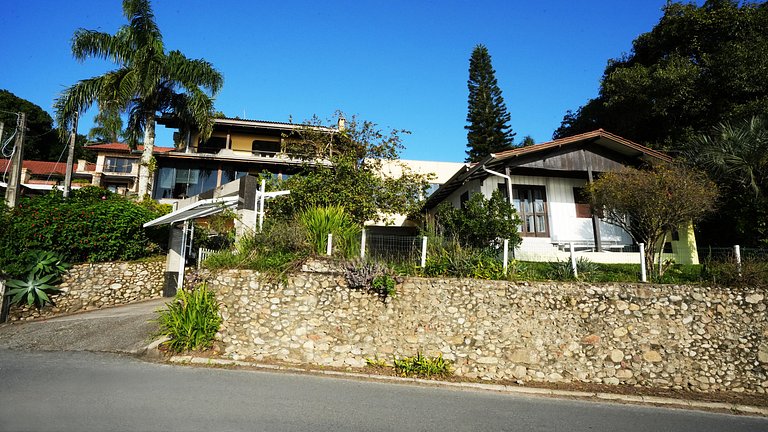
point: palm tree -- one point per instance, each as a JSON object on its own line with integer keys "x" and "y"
{"x": 148, "y": 82}
{"x": 736, "y": 155}
{"x": 108, "y": 126}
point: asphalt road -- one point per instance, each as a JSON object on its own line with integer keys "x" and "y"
{"x": 127, "y": 328}
{"x": 85, "y": 391}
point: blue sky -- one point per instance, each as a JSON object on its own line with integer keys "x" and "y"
{"x": 401, "y": 64}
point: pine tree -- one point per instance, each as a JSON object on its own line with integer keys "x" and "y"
{"x": 488, "y": 130}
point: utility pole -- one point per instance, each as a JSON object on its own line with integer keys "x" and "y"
{"x": 14, "y": 183}
{"x": 70, "y": 158}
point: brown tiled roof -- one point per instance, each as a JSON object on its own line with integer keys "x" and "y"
{"x": 41, "y": 168}
{"x": 124, "y": 148}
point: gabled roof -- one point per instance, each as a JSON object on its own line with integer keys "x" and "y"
{"x": 43, "y": 168}
{"x": 598, "y": 137}
{"x": 124, "y": 148}
{"x": 595, "y": 135}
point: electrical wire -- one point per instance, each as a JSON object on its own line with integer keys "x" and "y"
{"x": 57, "y": 163}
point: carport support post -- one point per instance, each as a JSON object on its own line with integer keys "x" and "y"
{"x": 175, "y": 238}
{"x": 183, "y": 255}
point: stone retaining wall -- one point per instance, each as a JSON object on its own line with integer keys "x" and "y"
{"x": 98, "y": 285}
{"x": 684, "y": 337}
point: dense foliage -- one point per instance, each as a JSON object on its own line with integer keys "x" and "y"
{"x": 735, "y": 155}
{"x": 488, "y": 130}
{"x": 481, "y": 223}
{"x": 40, "y": 139}
{"x": 698, "y": 66}
{"x": 345, "y": 168}
{"x": 92, "y": 225}
{"x": 651, "y": 203}
{"x": 191, "y": 320}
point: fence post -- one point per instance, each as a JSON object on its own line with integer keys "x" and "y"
{"x": 329, "y": 247}
{"x": 506, "y": 255}
{"x": 573, "y": 261}
{"x": 737, "y": 256}
{"x": 5, "y": 303}
{"x": 423, "y": 251}
{"x": 643, "y": 277}
{"x": 362, "y": 244}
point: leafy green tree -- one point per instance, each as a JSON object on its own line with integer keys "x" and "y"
{"x": 698, "y": 66}
{"x": 481, "y": 222}
{"x": 735, "y": 155}
{"x": 651, "y": 203}
{"x": 149, "y": 81}
{"x": 344, "y": 168}
{"x": 488, "y": 130}
{"x": 40, "y": 140}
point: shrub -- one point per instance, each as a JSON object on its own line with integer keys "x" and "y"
{"x": 92, "y": 225}
{"x": 321, "y": 221}
{"x": 481, "y": 222}
{"x": 374, "y": 277}
{"x": 191, "y": 320}
{"x": 277, "y": 249}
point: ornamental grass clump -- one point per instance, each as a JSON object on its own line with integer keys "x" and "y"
{"x": 321, "y": 221}
{"x": 191, "y": 320}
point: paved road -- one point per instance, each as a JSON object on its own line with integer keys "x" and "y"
{"x": 84, "y": 391}
{"x": 120, "y": 329}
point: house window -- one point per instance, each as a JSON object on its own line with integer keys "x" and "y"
{"x": 531, "y": 204}
{"x": 184, "y": 182}
{"x": 118, "y": 165}
{"x": 583, "y": 207}
{"x": 212, "y": 145}
{"x": 463, "y": 199}
{"x": 265, "y": 148}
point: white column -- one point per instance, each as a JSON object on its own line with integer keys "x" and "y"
{"x": 737, "y": 257}
{"x": 329, "y": 247}
{"x": 643, "y": 277}
{"x": 424, "y": 252}
{"x": 261, "y": 203}
{"x": 362, "y": 244}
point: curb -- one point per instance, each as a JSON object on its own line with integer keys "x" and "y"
{"x": 499, "y": 388}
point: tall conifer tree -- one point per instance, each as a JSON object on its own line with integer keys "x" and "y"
{"x": 488, "y": 130}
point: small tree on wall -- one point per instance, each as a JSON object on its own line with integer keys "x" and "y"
{"x": 482, "y": 222}
{"x": 651, "y": 203}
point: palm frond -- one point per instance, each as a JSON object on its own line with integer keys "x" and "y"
{"x": 90, "y": 43}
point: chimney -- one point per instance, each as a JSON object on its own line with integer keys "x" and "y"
{"x": 80, "y": 165}
{"x": 341, "y": 123}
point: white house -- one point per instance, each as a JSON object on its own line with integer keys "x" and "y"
{"x": 545, "y": 182}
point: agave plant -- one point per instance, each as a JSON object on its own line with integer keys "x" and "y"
{"x": 46, "y": 263}
{"x": 42, "y": 275}
{"x": 35, "y": 290}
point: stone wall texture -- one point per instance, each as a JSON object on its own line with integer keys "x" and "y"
{"x": 685, "y": 337}
{"x": 98, "y": 285}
